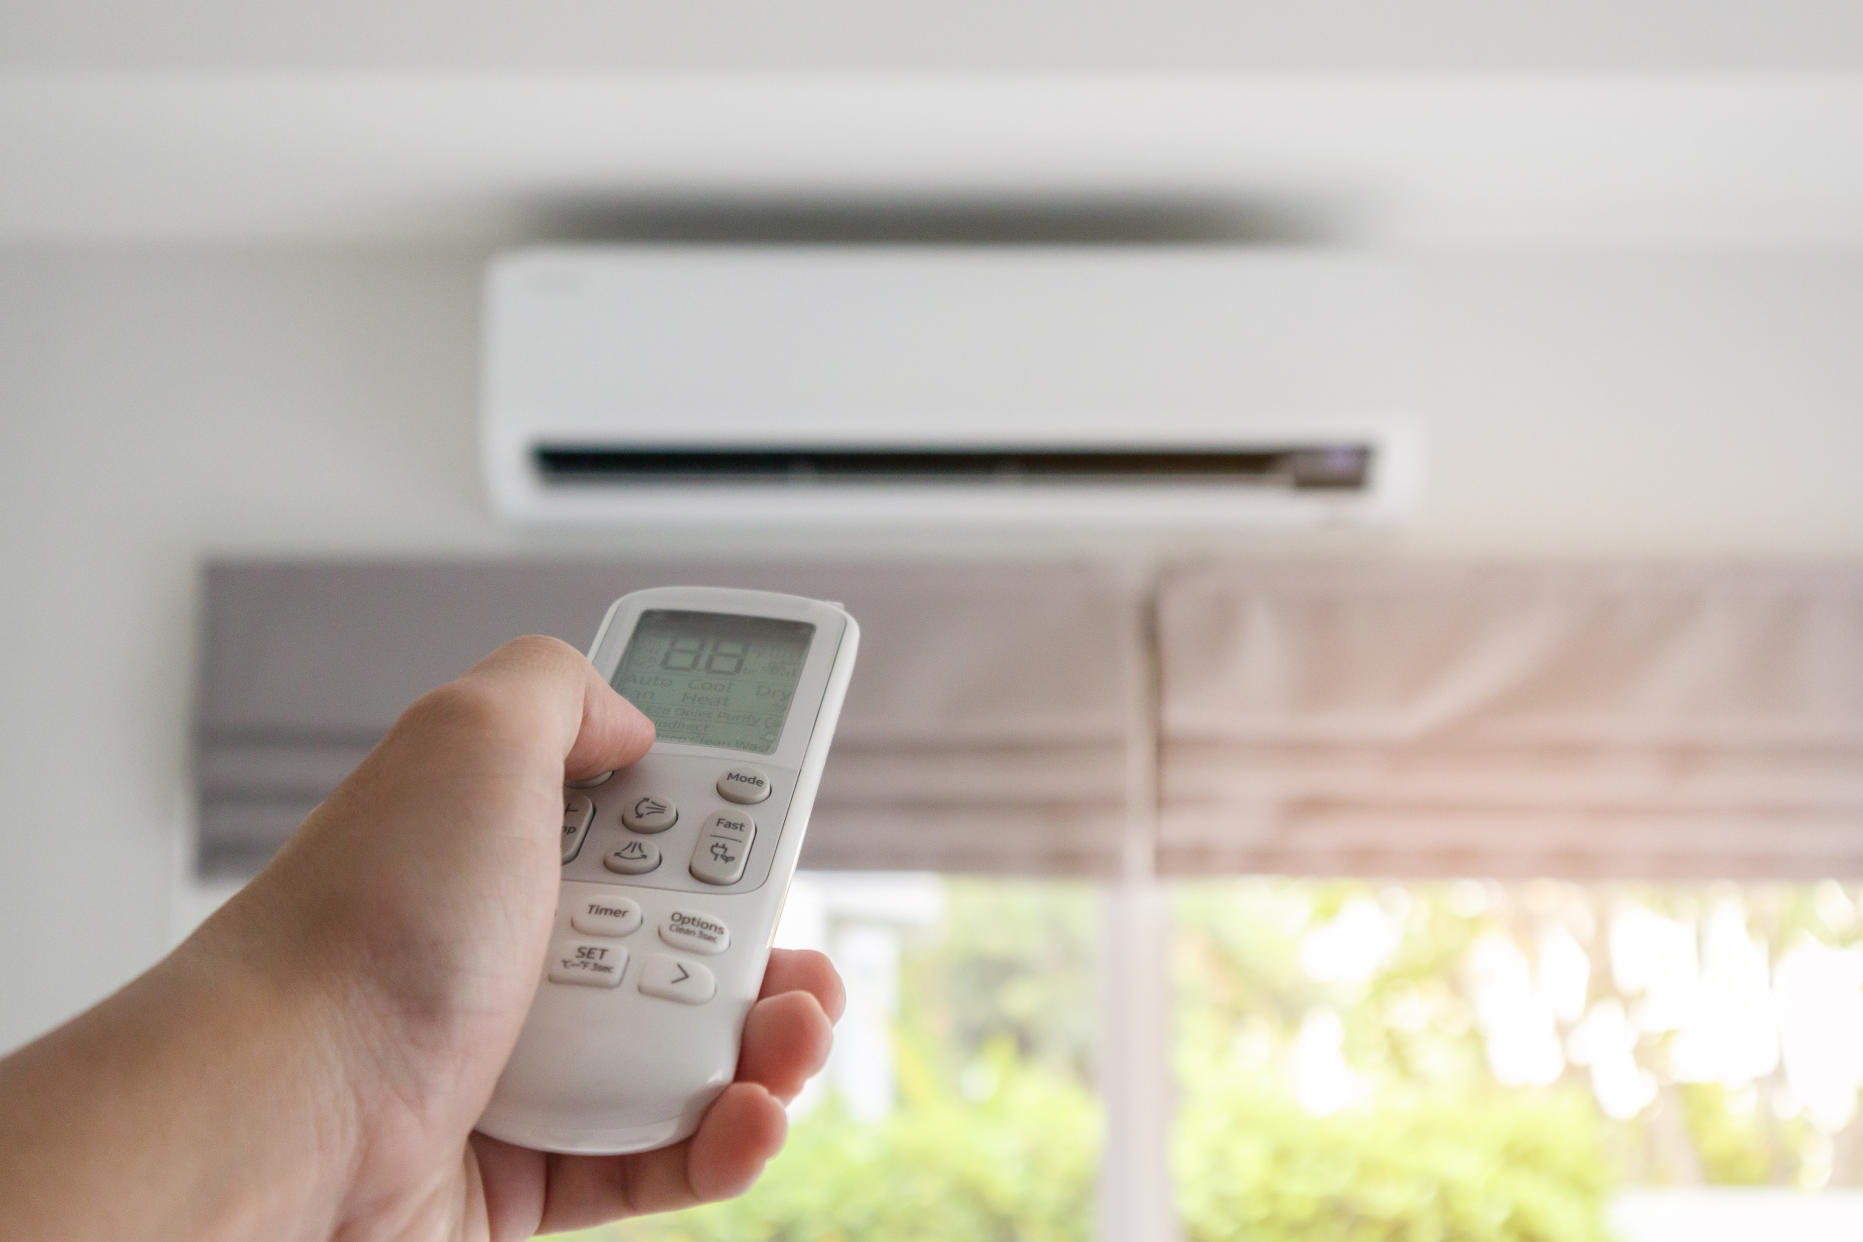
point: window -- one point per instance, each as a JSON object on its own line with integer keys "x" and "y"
{"x": 1482, "y": 1060}
{"x": 1510, "y": 1060}
{"x": 959, "y": 1102}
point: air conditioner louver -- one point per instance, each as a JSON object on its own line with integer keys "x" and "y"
{"x": 1334, "y": 467}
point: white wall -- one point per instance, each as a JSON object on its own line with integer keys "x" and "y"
{"x": 157, "y": 408}
{"x": 968, "y": 35}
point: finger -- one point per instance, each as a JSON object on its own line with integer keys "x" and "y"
{"x": 597, "y": 729}
{"x": 614, "y": 733}
{"x": 805, "y": 970}
{"x": 786, "y": 1042}
{"x": 512, "y": 1181}
{"x": 742, "y": 1129}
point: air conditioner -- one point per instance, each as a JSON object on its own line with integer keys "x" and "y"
{"x": 1182, "y": 385}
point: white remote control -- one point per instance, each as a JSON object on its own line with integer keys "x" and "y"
{"x": 675, "y": 869}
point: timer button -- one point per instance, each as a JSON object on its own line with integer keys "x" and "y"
{"x": 650, "y": 814}
{"x": 744, "y": 785}
{"x": 605, "y": 916}
{"x": 634, "y": 858}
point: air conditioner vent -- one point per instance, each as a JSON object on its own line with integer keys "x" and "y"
{"x": 1344, "y": 467}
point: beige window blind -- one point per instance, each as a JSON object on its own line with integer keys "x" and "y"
{"x": 987, "y": 729}
{"x": 1504, "y": 721}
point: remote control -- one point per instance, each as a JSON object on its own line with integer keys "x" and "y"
{"x": 675, "y": 869}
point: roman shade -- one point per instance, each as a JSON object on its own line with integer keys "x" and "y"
{"x": 1411, "y": 720}
{"x": 1505, "y": 721}
{"x": 987, "y": 727}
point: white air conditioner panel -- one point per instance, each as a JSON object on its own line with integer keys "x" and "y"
{"x": 939, "y": 348}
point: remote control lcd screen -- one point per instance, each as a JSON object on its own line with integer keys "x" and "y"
{"x": 714, "y": 679}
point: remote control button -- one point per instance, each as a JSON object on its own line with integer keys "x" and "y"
{"x": 719, "y": 858}
{"x": 734, "y": 824}
{"x": 695, "y": 933}
{"x": 633, "y": 858}
{"x": 588, "y": 963}
{"x": 650, "y": 814}
{"x": 745, "y": 785}
{"x": 605, "y": 916}
{"x": 578, "y": 811}
{"x": 591, "y": 782}
{"x": 674, "y": 980}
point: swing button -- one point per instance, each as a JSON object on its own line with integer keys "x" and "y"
{"x": 649, "y": 813}
{"x": 633, "y": 858}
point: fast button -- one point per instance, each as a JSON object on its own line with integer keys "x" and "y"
{"x": 723, "y": 846}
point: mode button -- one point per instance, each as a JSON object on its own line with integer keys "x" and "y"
{"x": 744, "y": 785}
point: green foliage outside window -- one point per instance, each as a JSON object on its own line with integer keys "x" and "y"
{"x": 1253, "y": 1167}
{"x": 1019, "y": 1163}
{"x": 996, "y": 1133}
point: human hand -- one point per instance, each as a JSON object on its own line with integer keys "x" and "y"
{"x": 373, "y": 980}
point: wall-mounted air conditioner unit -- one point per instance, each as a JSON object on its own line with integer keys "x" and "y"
{"x": 1034, "y": 385}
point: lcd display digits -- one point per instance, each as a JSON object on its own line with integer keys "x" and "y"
{"x": 714, "y": 679}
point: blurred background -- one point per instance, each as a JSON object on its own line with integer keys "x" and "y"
{"x": 1353, "y": 508}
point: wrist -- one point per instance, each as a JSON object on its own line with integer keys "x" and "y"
{"x": 282, "y": 1103}
{"x": 200, "y": 1102}
{"x": 339, "y": 992}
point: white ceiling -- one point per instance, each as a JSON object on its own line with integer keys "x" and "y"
{"x": 950, "y": 36}
{"x": 1754, "y": 160}
{"x": 1431, "y": 122}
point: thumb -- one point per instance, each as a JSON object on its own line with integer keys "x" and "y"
{"x": 596, "y": 730}
{"x": 614, "y": 733}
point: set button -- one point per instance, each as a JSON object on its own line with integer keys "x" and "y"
{"x": 744, "y": 785}
{"x": 632, "y": 858}
{"x": 671, "y": 979}
{"x": 695, "y": 933}
{"x": 650, "y": 814}
{"x": 587, "y": 962}
{"x": 605, "y": 916}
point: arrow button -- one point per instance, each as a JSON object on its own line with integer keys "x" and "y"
{"x": 671, "y": 979}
